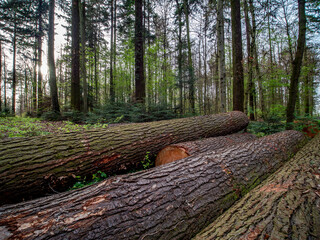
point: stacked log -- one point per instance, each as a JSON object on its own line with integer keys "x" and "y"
{"x": 179, "y": 151}
{"x": 285, "y": 206}
{"x": 173, "y": 201}
{"x": 33, "y": 167}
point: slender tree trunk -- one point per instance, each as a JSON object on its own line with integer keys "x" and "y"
{"x": 190, "y": 64}
{"x": 273, "y": 95}
{"x": 285, "y": 206}
{"x": 75, "y": 76}
{"x": 14, "y": 42}
{"x": 250, "y": 52}
{"x": 140, "y": 86}
{"x": 34, "y": 81}
{"x": 0, "y": 76}
{"x": 287, "y": 31}
{"x": 83, "y": 54}
{"x": 4, "y": 82}
{"x": 238, "y": 82}
{"x": 205, "y": 94}
{"x": 40, "y": 32}
{"x": 173, "y": 201}
{"x": 221, "y": 55}
{"x": 51, "y": 62}
{"x": 53, "y": 161}
{"x": 256, "y": 60}
{"x": 296, "y": 65}
{"x": 115, "y": 46}
{"x": 180, "y": 56}
{"x": 112, "y": 90}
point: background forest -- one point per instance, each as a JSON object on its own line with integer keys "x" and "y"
{"x": 125, "y": 60}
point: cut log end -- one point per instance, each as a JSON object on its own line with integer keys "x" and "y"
{"x": 170, "y": 154}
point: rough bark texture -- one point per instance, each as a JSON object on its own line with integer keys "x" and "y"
{"x": 182, "y": 150}
{"x": 51, "y": 62}
{"x": 75, "y": 57}
{"x": 140, "y": 88}
{"x": 31, "y": 167}
{"x": 297, "y": 62}
{"x": 238, "y": 82}
{"x": 173, "y": 201}
{"x": 286, "y": 206}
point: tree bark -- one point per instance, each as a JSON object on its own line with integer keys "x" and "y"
{"x": 140, "y": 88}
{"x": 221, "y": 56}
{"x": 286, "y": 206}
{"x": 190, "y": 63}
{"x": 31, "y": 167}
{"x": 238, "y": 82}
{"x": 52, "y": 67}
{"x": 75, "y": 74}
{"x": 14, "y": 80}
{"x": 39, "y": 39}
{"x": 297, "y": 62}
{"x": 0, "y": 76}
{"x": 179, "y": 151}
{"x": 161, "y": 203}
{"x": 83, "y": 54}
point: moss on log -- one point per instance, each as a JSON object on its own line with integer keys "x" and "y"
{"x": 32, "y": 167}
{"x": 179, "y": 151}
{"x": 285, "y": 206}
{"x": 172, "y": 201}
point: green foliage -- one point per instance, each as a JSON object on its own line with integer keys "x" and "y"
{"x": 147, "y": 162}
{"x": 96, "y": 177}
{"x": 306, "y": 125}
{"x": 125, "y": 113}
{"x": 21, "y": 127}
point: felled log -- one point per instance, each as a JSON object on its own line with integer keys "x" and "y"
{"x": 179, "y": 151}
{"x": 285, "y": 206}
{"x": 31, "y": 167}
{"x": 172, "y": 201}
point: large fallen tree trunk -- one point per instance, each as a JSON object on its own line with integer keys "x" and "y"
{"x": 31, "y": 167}
{"x": 179, "y": 151}
{"x": 172, "y": 201}
{"x": 285, "y": 206}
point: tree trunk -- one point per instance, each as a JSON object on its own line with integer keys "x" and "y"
{"x": 286, "y": 206}
{"x": 179, "y": 151}
{"x": 0, "y": 75}
{"x": 238, "y": 82}
{"x": 39, "y": 39}
{"x": 250, "y": 51}
{"x": 297, "y": 62}
{"x": 14, "y": 81}
{"x": 112, "y": 85}
{"x": 83, "y": 54}
{"x": 75, "y": 74}
{"x": 221, "y": 56}
{"x": 180, "y": 81}
{"x": 34, "y": 166}
{"x": 140, "y": 88}
{"x": 190, "y": 64}
{"x": 173, "y": 201}
{"x": 52, "y": 67}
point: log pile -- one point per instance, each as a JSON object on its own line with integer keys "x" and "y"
{"x": 36, "y": 166}
{"x": 286, "y": 206}
{"x": 172, "y": 201}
